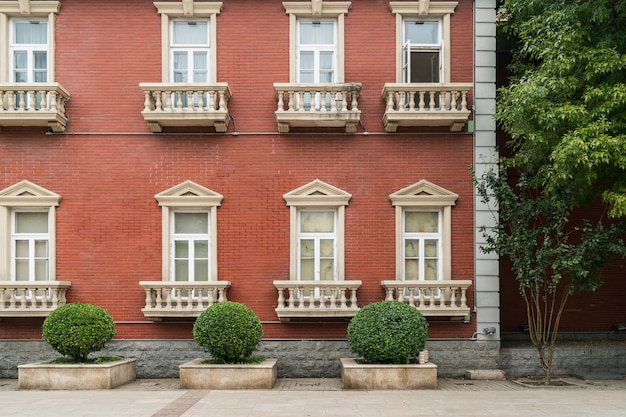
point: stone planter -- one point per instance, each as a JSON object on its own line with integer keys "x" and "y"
{"x": 76, "y": 376}
{"x": 387, "y": 377}
{"x": 194, "y": 375}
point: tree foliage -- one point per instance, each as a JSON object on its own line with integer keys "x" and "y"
{"x": 565, "y": 107}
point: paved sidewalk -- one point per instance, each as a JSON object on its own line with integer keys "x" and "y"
{"x": 321, "y": 398}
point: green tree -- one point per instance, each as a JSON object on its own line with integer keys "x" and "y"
{"x": 564, "y": 110}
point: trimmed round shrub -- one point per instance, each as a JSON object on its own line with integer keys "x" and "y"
{"x": 229, "y": 331}
{"x": 387, "y": 332}
{"x": 78, "y": 329}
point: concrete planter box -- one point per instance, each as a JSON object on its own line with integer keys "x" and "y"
{"x": 76, "y": 376}
{"x": 194, "y": 375}
{"x": 387, "y": 377}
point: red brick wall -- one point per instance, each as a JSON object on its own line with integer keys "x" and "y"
{"x": 108, "y": 222}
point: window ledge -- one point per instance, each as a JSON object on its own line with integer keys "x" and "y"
{"x": 420, "y": 105}
{"x": 170, "y": 299}
{"x": 315, "y": 299}
{"x": 210, "y": 106}
{"x": 33, "y": 104}
{"x": 340, "y": 111}
{"x": 31, "y": 299}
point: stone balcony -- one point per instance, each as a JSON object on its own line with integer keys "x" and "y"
{"x": 33, "y": 104}
{"x": 444, "y": 298}
{"x": 181, "y": 299}
{"x": 318, "y": 105}
{"x": 316, "y": 299}
{"x": 31, "y": 299}
{"x": 186, "y": 105}
{"x": 426, "y": 105}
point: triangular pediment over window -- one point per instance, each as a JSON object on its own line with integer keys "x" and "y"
{"x": 189, "y": 194}
{"x": 27, "y": 194}
{"x": 423, "y": 193}
{"x": 319, "y": 193}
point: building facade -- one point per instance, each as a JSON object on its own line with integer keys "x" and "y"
{"x": 304, "y": 158}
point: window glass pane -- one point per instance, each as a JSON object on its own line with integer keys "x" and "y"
{"x": 201, "y": 270}
{"x": 201, "y": 249}
{"x": 20, "y": 59}
{"x": 327, "y": 271}
{"x": 195, "y": 223}
{"x": 411, "y": 248}
{"x": 307, "y": 60}
{"x": 424, "y": 33}
{"x": 411, "y": 269}
{"x": 181, "y": 270}
{"x": 180, "y": 60}
{"x": 326, "y": 60}
{"x": 425, "y": 67}
{"x": 31, "y": 222}
{"x": 41, "y": 270}
{"x": 421, "y": 222}
{"x": 181, "y": 249}
{"x": 317, "y": 33}
{"x": 31, "y": 33}
{"x": 199, "y": 60}
{"x": 307, "y": 270}
{"x": 191, "y": 33}
{"x": 327, "y": 248}
{"x": 430, "y": 272}
{"x": 307, "y": 248}
{"x": 21, "y": 270}
{"x": 21, "y": 248}
{"x": 40, "y": 77}
{"x": 41, "y": 249}
{"x": 41, "y": 59}
{"x": 317, "y": 221}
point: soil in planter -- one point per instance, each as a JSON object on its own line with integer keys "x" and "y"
{"x": 539, "y": 382}
{"x": 94, "y": 361}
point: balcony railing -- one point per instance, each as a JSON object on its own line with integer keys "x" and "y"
{"x": 426, "y": 105}
{"x": 31, "y": 299}
{"x": 181, "y": 299}
{"x": 318, "y": 105}
{"x": 186, "y": 105}
{"x": 33, "y": 104}
{"x": 433, "y": 298}
{"x": 301, "y": 299}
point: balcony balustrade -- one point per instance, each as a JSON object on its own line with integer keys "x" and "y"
{"x": 182, "y": 298}
{"x": 318, "y": 105}
{"x": 315, "y": 299}
{"x": 31, "y": 299}
{"x": 33, "y": 104}
{"x": 426, "y": 105}
{"x": 186, "y": 105}
{"x": 432, "y": 298}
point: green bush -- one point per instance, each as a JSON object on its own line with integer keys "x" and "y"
{"x": 78, "y": 329}
{"x": 387, "y": 332}
{"x": 229, "y": 331}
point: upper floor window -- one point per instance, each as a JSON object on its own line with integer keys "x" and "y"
{"x": 421, "y": 51}
{"x": 423, "y": 232}
{"x": 189, "y": 232}
{"x": 423, "y": 40}
{"x": 317, "y": 51}
{"x": 188, "y": 34}
{"x": 29, "y": 50}
{"x": 27, "y": 228}
{"x": 190, "y": 51}
{"x": 316, "y": 41}
{"x": 27, "y": 41}
{"x": 317, "y": 228}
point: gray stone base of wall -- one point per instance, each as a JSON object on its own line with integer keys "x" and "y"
{"x": 320, "y": 358}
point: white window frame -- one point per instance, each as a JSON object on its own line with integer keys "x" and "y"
{"x": 25, "y": 196}
{"x": 317, "y": 50}
{"x": 316, "y": 237}
{"x": 408, "y": 48}
{"x": 30, "y": 50}
{"x": 190, "y": 238}
{"x": 425, "y": 196}
{"x": 316, "y": 195}
{"x": 421, "y": 237}
{"x": 10, "y": 10}
{"x": 423, "y": 10}
{"x": 31, "y": 238}
{"x": 187, "y": 10}
{"x": 191, "y": 49}
{"x": 316, "y": 10}
{"x": 187, "y": 197}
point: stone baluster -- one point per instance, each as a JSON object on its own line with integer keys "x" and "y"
{"x": 292, "y": 100}
{"x": 412, "y": 296}
{"x": 431, "y": 98}
{"x": 281, "y": 101}
{"x": 421, "y": 104}
{"x": 281, "y": 297}
{"x": 159, "y": 101}
{"x": 11, "y": 101}
{"x": 189, "y": 95}
{"x": 2, "y": 299}
{"x": 464, "y": 100}
{"x": 22, "y": 99}
{"x": 179, "y": 298}
{"x": 168, "y": 298}
{"x": 149, "y": 298}
{"x": 411, "y": 100}
{"x": 354, "y": 105}
{"x": 223, "y": 105}
{"x": 292, "y": 297}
